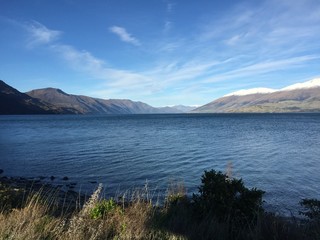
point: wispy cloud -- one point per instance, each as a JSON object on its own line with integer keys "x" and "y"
{"x": 168, "y": 23}
{"x": 263, "y": 67}
{"x": 167, "y": 26}
{"x": 233, "y": 40}
{"x": 124, "y": 35}
{"x": 40, "y": 34}
{"x": 79, "y": 60}
{"x": 84, "y": 61}
{"x": 118, "y": 80}
{"x": 268, "y": 26}
{"x": 170, "y": 7}
{"x": 155, "y": 79}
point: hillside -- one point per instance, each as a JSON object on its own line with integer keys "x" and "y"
{"x": 14, "y": 102}
{"x": 87, "y": 105}
{"x": 301, "y": 97}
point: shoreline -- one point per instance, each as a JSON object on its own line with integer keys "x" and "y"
{"x": 15, "y": 191}
{"x": 66, "y": 195}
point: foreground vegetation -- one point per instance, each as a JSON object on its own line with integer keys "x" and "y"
{"x": 223, "y": 209}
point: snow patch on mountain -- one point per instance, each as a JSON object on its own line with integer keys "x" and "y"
{"x": 244, "y": 92}
{"x": 309, "y": 84}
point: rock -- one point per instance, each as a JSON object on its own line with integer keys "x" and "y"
{"x": 65, "y": 178}
{"x": 52, "y": 178}
{"x": 1, "y": 171}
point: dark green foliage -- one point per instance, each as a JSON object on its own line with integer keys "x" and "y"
{"x": 312, "y": 207}
{"x": 226, "y": 198}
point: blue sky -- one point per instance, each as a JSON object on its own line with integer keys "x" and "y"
{"x": 161, "y": 52}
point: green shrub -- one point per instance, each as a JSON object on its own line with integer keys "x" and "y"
{"x": 226, "y": 198}
{"x": 103, "y": 208}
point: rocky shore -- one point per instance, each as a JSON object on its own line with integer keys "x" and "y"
{"x": 15, "y": 191}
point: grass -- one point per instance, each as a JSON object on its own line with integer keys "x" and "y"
{"x": 39, "y": 216}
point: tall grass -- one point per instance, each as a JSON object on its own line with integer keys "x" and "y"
{"x": 37, "y": 218}
{"x": 138, "y": 217}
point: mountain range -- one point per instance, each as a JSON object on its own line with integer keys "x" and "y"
{"x": 300, "y": 97}
{"x": 87, "y": 105}
{"x": 55, "y": 101}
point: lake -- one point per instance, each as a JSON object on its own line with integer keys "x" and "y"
{"x": 278, "y": 153}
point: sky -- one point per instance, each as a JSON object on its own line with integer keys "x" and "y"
{"x": 161, "y": 52}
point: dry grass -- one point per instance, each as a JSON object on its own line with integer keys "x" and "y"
{"x": 138, "y": 219}
{"x": 29, "y": 222}
{"x": 36, "y": 219}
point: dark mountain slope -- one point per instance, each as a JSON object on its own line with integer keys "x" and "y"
{"x": 87, "y": 105}
{"x": 14, "y": 102}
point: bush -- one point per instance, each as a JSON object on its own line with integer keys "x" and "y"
{"x": 103, "y": 208}
{"x": 227, "y": 198}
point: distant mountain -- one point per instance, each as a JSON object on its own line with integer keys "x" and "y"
{"x": 300, "y": 97}
{"x": 86, "y": 105}
{"x": 176, "y": 109}
{"x": 184, "y": 108}
{"x": 14, "y": 102}
{"x": 169, "y": 110}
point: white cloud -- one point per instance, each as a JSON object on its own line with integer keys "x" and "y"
{"x": 269, "y": 27}
{"x": 124, "y": 35}
{"x": 262, "y": 67}
{"x": 79, "y": 60}
{"x": 115, "y": 80}
{"x": 40, "y": 34}
{"x": 233, "y": 40}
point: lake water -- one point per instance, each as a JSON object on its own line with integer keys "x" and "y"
{"x": 278, "y": 153}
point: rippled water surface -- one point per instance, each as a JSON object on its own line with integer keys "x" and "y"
{"x": 278, "y": 153}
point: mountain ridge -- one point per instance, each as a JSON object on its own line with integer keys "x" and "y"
{"x": 55, "y": 101}
{"x": 300, "y": 97}
{"x": 14, "y": 102}
{"x": 87, "y": 105}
